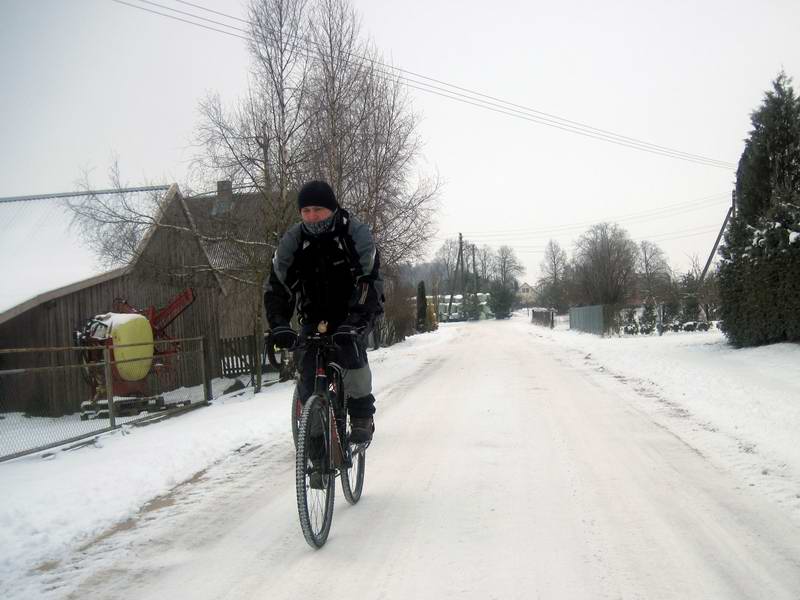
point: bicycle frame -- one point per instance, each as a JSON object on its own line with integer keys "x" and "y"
{"x": 326, "y": 375}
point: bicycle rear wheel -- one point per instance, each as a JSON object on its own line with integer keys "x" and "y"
{"x": 314, "y": 504}
{"x": 353, "y": 477}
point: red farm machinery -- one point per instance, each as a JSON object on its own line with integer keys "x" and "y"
{"x": 139, "y": 350}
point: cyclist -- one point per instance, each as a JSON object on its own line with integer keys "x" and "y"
{"x": 329, "y": 268}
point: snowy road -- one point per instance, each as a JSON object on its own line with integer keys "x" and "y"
{"x": 499, "y": 470}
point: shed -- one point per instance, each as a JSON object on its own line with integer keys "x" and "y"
{"x": 167, "y": 261}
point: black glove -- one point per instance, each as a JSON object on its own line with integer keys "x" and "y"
{"x": 346, "y": 337}
{"x": 346, "y": 333}
{"x": 283, "y": 336}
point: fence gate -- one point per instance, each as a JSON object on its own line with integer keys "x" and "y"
{"x": 243, "y": 355}
{"x": 588, "y": 319}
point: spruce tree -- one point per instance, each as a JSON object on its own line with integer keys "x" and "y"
{"x": 648, "y": 320}
{"x": 631, "y": 326}
{"x": 759, "y": 275}
{"x": 771, "y": 157}
{"x": 500, "y": 301}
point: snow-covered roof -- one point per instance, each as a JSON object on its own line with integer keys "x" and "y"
{"x": 40, "y": 250}
{"x": 42, "y": 255}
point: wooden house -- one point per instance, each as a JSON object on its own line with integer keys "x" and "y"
{"x": 172, "y": 256}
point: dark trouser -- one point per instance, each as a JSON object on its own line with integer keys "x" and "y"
{"x": 357, "y": 379}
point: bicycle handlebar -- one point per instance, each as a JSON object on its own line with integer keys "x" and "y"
{"x": 324, "y": 340}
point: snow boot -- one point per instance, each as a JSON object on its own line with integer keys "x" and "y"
{"x": 361, "y": 429}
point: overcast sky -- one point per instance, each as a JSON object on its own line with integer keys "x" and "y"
{"x": 82, "y": 80}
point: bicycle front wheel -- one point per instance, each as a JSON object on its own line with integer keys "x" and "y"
{"x": 297, "y": 413}
{"x": 314, "y": 475}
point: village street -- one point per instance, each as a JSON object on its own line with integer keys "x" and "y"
{"x": 499, "y": 470}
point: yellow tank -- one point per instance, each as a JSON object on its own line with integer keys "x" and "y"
{"x": 132, "y": 329}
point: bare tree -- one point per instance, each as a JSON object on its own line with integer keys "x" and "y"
{"x": 261, "y": 144}
{"x": 447, "y": 257}
{"x": 486, "y": 259}
{"x": 507, "y": 267}
{"x": 365, "y": 137}
{"x": 114, "y": 225}
{"x": 605, "y": 264}
{"x": 551, "y": 286}
{"x": 654, "y": 271}
{"x": 338, "y": 105}
{"x": 399, "y": 208}
{"x": 555, "y": 262}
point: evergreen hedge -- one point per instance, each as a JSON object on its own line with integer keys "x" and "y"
{"x": 760, "y": 287}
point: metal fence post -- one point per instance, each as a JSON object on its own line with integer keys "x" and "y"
{"x": 255, "y": 354}
{"x": 109, "y": 386}
{"x": 205, "y": 370}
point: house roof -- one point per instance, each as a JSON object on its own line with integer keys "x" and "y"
{"x": 42, "y": 255}
{"x": 242, "y": 224}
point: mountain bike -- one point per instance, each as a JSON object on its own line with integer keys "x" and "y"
{"x": 323, "y": 449}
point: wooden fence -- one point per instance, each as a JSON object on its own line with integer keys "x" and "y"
{"x": 242, "y": 356}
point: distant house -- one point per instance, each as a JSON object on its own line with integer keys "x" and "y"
{"x": 457, "y": 308}
{"x": 168, "y": 260}
{"x": 526, "y": 294}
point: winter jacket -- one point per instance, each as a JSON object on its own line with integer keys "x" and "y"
{"x": 333, "y": 276}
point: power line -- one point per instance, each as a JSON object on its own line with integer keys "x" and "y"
{"x": 657, "y": 213}
{"x": 538, "y": 113}
{"x": 475, "y": 99}
{"x": 701, "y": 230}
{"x": 701, "y": 201}
{"x": 235, "y": 18}
{"x": 188, "y": 14}
{"x": 658, "y": 238}
{"x": 543, "y": 233}
{"x": 182, "y": 20}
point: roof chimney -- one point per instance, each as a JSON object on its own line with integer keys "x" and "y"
{"x": 224, "y": 200}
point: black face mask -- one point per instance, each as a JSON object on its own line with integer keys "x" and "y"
{"x": 320, "y": 227}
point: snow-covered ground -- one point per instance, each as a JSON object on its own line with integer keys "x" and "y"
{"x": 53, "y": 505}
{"x": 22, "y": 433}
{"x": 510, "y": 461}
{"x": 740, "y": 404}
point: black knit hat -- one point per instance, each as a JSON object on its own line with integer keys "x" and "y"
{"x": 317, "y": 193}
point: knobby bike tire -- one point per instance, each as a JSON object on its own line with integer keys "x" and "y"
{"x": 297, "y": 413}
{"x": 353, "y": 478}
{"x": 314, "y": 506}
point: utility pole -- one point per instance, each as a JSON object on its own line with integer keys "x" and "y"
{"x": 729, "y": 216}
{"x": 477, "y": 300}
{"x": 458, "y": 264}
{"x": 463, "y": 276}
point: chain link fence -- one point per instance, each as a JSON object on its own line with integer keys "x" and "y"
{"x": 54, "y": 396}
